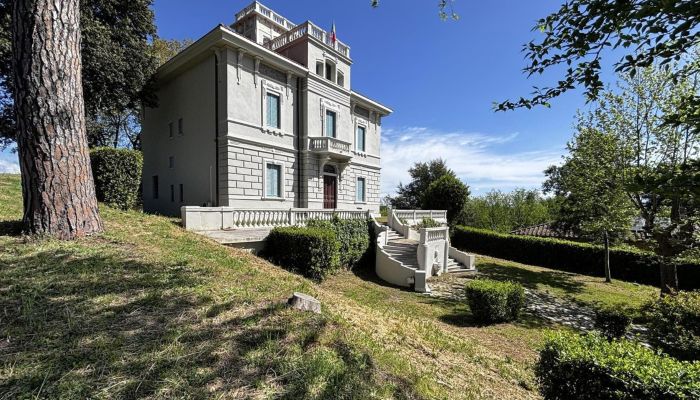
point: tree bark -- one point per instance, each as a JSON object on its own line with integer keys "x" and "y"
{"x": 608, "y": 275}
{"x": 57, "y": 183}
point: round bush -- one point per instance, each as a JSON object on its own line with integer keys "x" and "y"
{"x": 674, "y": 324}
{"x": 493, "y": 301}
{"x": 117, "y": 174}
{"x": 613, "y": 322}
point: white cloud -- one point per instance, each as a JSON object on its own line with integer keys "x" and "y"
{"x": 9, "y": 163}
{"x": 483, "y": 161}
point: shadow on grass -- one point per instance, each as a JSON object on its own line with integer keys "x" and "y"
{"x": 530, "y": 279}
{"x": 10, "y": 228}
{"x": 76, "y": 323}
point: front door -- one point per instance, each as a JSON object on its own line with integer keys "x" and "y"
{"x": 329, "y": 191}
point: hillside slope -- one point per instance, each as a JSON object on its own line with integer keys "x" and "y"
{"x": 149, "y": 310}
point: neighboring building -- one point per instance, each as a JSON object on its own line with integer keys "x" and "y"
{"x": 261, "y": 115}
{"x": 544, "y": 230}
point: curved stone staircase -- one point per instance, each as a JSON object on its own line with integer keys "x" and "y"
{"x": 405, "y": 251}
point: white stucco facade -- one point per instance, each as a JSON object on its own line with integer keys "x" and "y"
{"x": 244, "y": 120}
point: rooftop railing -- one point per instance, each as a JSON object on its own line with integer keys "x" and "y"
{"x": 310, "y": 29}
{"x": 266, "y": 12}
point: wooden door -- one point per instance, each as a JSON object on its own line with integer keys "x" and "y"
{"x": 329, "y": 191}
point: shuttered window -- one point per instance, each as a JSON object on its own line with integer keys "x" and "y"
{"x": 273, "y": 180}
{"x": 273, "y": 110}
{"x": 360, "y": 190}
{"x": 330, "y": 123}
{"x": 360, "y": 140}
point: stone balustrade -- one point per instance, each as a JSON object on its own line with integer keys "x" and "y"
{"x": 265, "y": 12}
{"x": 310, "y": 29}
{"x": 416, "y": 216}
{"x": 225, "y": 218}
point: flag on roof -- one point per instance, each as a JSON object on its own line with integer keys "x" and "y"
{"x": 333, "y": 37}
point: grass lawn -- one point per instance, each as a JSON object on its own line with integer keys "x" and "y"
{"x": 149, "y": 310}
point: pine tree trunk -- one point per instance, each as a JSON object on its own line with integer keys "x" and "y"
{"x": 57, "y": 183}
{"x": 608, "y": 275}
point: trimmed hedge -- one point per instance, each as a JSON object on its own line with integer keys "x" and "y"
{"x": 613, "y": 321}
{"x": 674, "y": 324}
{"x": 583, "y": 367}
{"x": 581, "y": 258}
{"x": 312, "y": 252}
{"x": 493, "y": 301}
{"x": 354, "y": 237}
{"x": 117, "y": 174}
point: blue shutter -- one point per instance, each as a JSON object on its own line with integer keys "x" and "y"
{"x": 360, "y": 138}
{"x": 273, "y": 105}
{"x": 330, "y": 124}
{"x": 273, "y": 180}
{"x": 360, "y": 190}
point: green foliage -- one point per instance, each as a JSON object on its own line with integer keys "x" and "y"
{"x": 446, "y": 193}
{"x": 590, "y": 185}
{"x": 675, "y": 324}
{"x": 581, "y": 32}
{"x": 504, "y": 212}
{"x": 410, "y": 196}
{"x": 354, "y": 237}
{"x": 117, "y": 67}
{"x": 583, "y": 367}
{"x": 428, "y": 222}
{"x": 493, "y": 301}
{"x": 117, "y": 174}
{"x": 581, "y": 258}
{"x": 613, "y": 321}
{"x": 312, "y": 252}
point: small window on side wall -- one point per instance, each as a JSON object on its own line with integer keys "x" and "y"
{"x": 182, "y": 193}
{"x": 170, "y": 130}
{"x": 360, "y": 190}
{"x": 319, "y": 68}
{"x": 172, "y": 193}
{"x": 329, "y": 71}
{"x": 155, "y": 187}
{"x": 273, "y": 180}
{"x": 180, "y": 127}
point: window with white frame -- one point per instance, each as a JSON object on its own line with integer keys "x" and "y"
{"x": 273, "y": 180}
{"x": 360, "y": 138}
{"x": 319, "y": 68}
{"x": 360, "y": 189}
{"x": 331, "y": 117}
{"x": 329, "y": 71}
{"x": 273, "y": 110}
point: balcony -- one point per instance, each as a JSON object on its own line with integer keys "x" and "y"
{"x": 330, "y": 148}
{"x": 309, "y": 29}
{"x": 267, "y": 13}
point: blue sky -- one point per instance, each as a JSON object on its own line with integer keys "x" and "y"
{"x": 440, "y": 78}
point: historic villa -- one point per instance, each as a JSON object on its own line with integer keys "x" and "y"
{"x": 261, "y": 115}
{"x": 257, "y": 126}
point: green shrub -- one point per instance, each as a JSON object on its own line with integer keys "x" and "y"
{"x": 583, "y": 367}
{"x": 354, "y": 237}
{"x": 428, "y": 222}
{"x": 613, "y": 321}
{"x": 674, "y": 324}
{"x": 312, "y": 252}
{"x": 493, "y": 301}
{"x": 446, "y": 193}
{"x": 117, "y": 174}
{"x": 581, "y": 258}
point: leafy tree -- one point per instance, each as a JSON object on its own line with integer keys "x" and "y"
{"x": 591, "y": 185}
{"x": 446, "y": 193}
{"x": 117, "y": 66}
{"x": 504, "y": 212}
{"x": 647, "y": 32}
{"x": 410, "y": 196}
